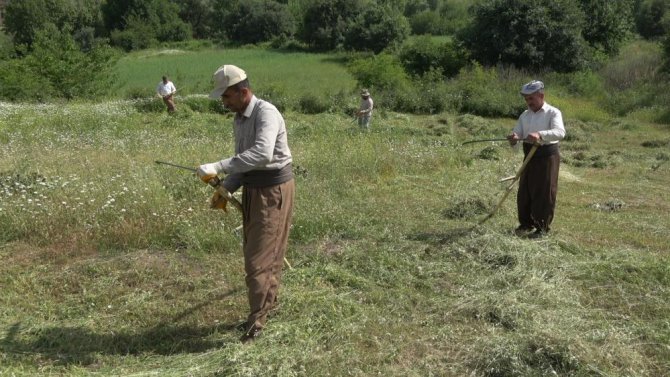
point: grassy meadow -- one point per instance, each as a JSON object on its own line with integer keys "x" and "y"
{"x": 114, "y": 266}
{"x": 292, "y": 74}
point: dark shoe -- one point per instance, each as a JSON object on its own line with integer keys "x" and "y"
{"x": 251, "y": 335}
{"x": 538, "y": 234}
{"x": 242, "y": 327}
{"x": 523, "y": 230}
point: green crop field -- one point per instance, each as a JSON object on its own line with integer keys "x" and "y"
{"x": 113, "y": 265}
{"x": 294, "y": 74}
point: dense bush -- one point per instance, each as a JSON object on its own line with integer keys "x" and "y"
{"x": 313, "y": 104}
{"x": 375, "y": 29}
{"x": 608, "y": 23}
{"x": 383, "y": 71}
{"x": 254, "y": 21}
{"x": 534, "y": 34}
{"x": 392, "y": 87}
{"x": 6, "y": 46}
{"x": 138, "y": 23}
{"x": 426, "y": 22}
{"x": 56, "y": 67}
{"x": 23, "y": 19}
{"x": 480, "y": 91}
{"x": 423, "y": 54}
{"x": 198, "y": 14}
{"x": 652, "y": 18}
{"x": 325, "y": 22}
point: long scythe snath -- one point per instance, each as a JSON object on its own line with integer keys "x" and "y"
{"x": 513, "y": 178}
{"x": 215, "y": 183}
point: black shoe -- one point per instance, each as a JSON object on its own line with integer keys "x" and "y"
{"x": 242, "y": 327}
{"x": 251, "y": 335}
{"x": 523, "y": 230}
{"x": 538, "y": 234}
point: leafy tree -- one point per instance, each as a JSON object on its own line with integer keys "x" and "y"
{"x": 608, "y": 23}
{"x": 426, "y": 22}
{"x": 56, "y": 67}
{"x": 423, "y": 54}
{"x": 160, "y": 19}
{"x": 6, "y": 46}
{"x": 325, "y": 22}
{"x": 198, "y": 14}
{"x": 652, "y": 18}
{"x": 382, "y": 72}
{"x": 527, "y": 33}
{"x": 376, "y": 28}
{"x": 23, "y": 19}
{"x": 253, "y": 21}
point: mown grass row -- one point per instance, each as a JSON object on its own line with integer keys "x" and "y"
{"x": 113, "y": 265}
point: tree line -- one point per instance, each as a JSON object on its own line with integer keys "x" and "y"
{"x": 558, "y": 35}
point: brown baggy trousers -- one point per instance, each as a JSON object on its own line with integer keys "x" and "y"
{"x": 536, "y": 198}
{"x": 267, "y": 221}
{"x": 169, "y": 102}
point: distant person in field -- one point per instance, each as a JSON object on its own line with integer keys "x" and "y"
{"x": 263, "y": 165}
{"x": 166, "y": 91}
{"x": 536, "y": 199}
{"x": 364, "y": 112}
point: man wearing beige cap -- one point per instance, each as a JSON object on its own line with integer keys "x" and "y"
{"x": 541, "y": 123}
{"x": 364, "y": 112}
{"x": 262, "y": 164}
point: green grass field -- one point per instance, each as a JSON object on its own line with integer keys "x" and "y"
{"x": 294, "y": 74}
{"x": 114, "y": 266}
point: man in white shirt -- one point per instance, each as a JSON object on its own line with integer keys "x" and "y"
{"x": 541, "y": 124}
{"x": 364, "y": 112}
{"x": 166, "y": 91}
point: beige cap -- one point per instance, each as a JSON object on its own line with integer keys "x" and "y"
{"x": 225, "y": 77}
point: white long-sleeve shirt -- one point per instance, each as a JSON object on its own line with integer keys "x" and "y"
{"x": 165, "y": 89}
{"x": 547, "y": 121}
{"x": 261, "y": 143}
{"x": 366, "y": 106}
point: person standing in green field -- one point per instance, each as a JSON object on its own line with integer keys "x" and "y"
{"x": 263, "y": 165}
{"x": 166, "y": 91}
{"x": 364, "y": 112}
{"x": 541, "y": 123}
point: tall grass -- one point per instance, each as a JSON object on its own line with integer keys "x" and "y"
{"x": 113, "y": 265}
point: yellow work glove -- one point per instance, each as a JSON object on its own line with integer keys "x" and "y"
{"x": 219, "y": 201}
{"x": 207, "y": 172}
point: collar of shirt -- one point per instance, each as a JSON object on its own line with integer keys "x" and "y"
{"x": 542, "y": 109}
{"x": 250, "y": 107}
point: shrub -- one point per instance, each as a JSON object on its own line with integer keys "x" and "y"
{"x": 478, "y": 90}
{"x": 203, "y": 104}
{"x": 423, "y": 54}
{"x": 426, "y": 22}
{"x": 537, "y": 34}
{"x": 313, "y": 104}
{"x": 382, "y": 71}
{"x": 651, "y": 18}
{"x": 254, "y": 21}
{"x": 637, "y": 63}
{"x": 325, "y": 22}
{"x": 6, "y": 46}
{"x": 608, "y": 23}
{"x": 57, "y": 67}
{"x": 18, "y": 82}
{"x": 137, "y": 24}
{"x": 375, "y": 29}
